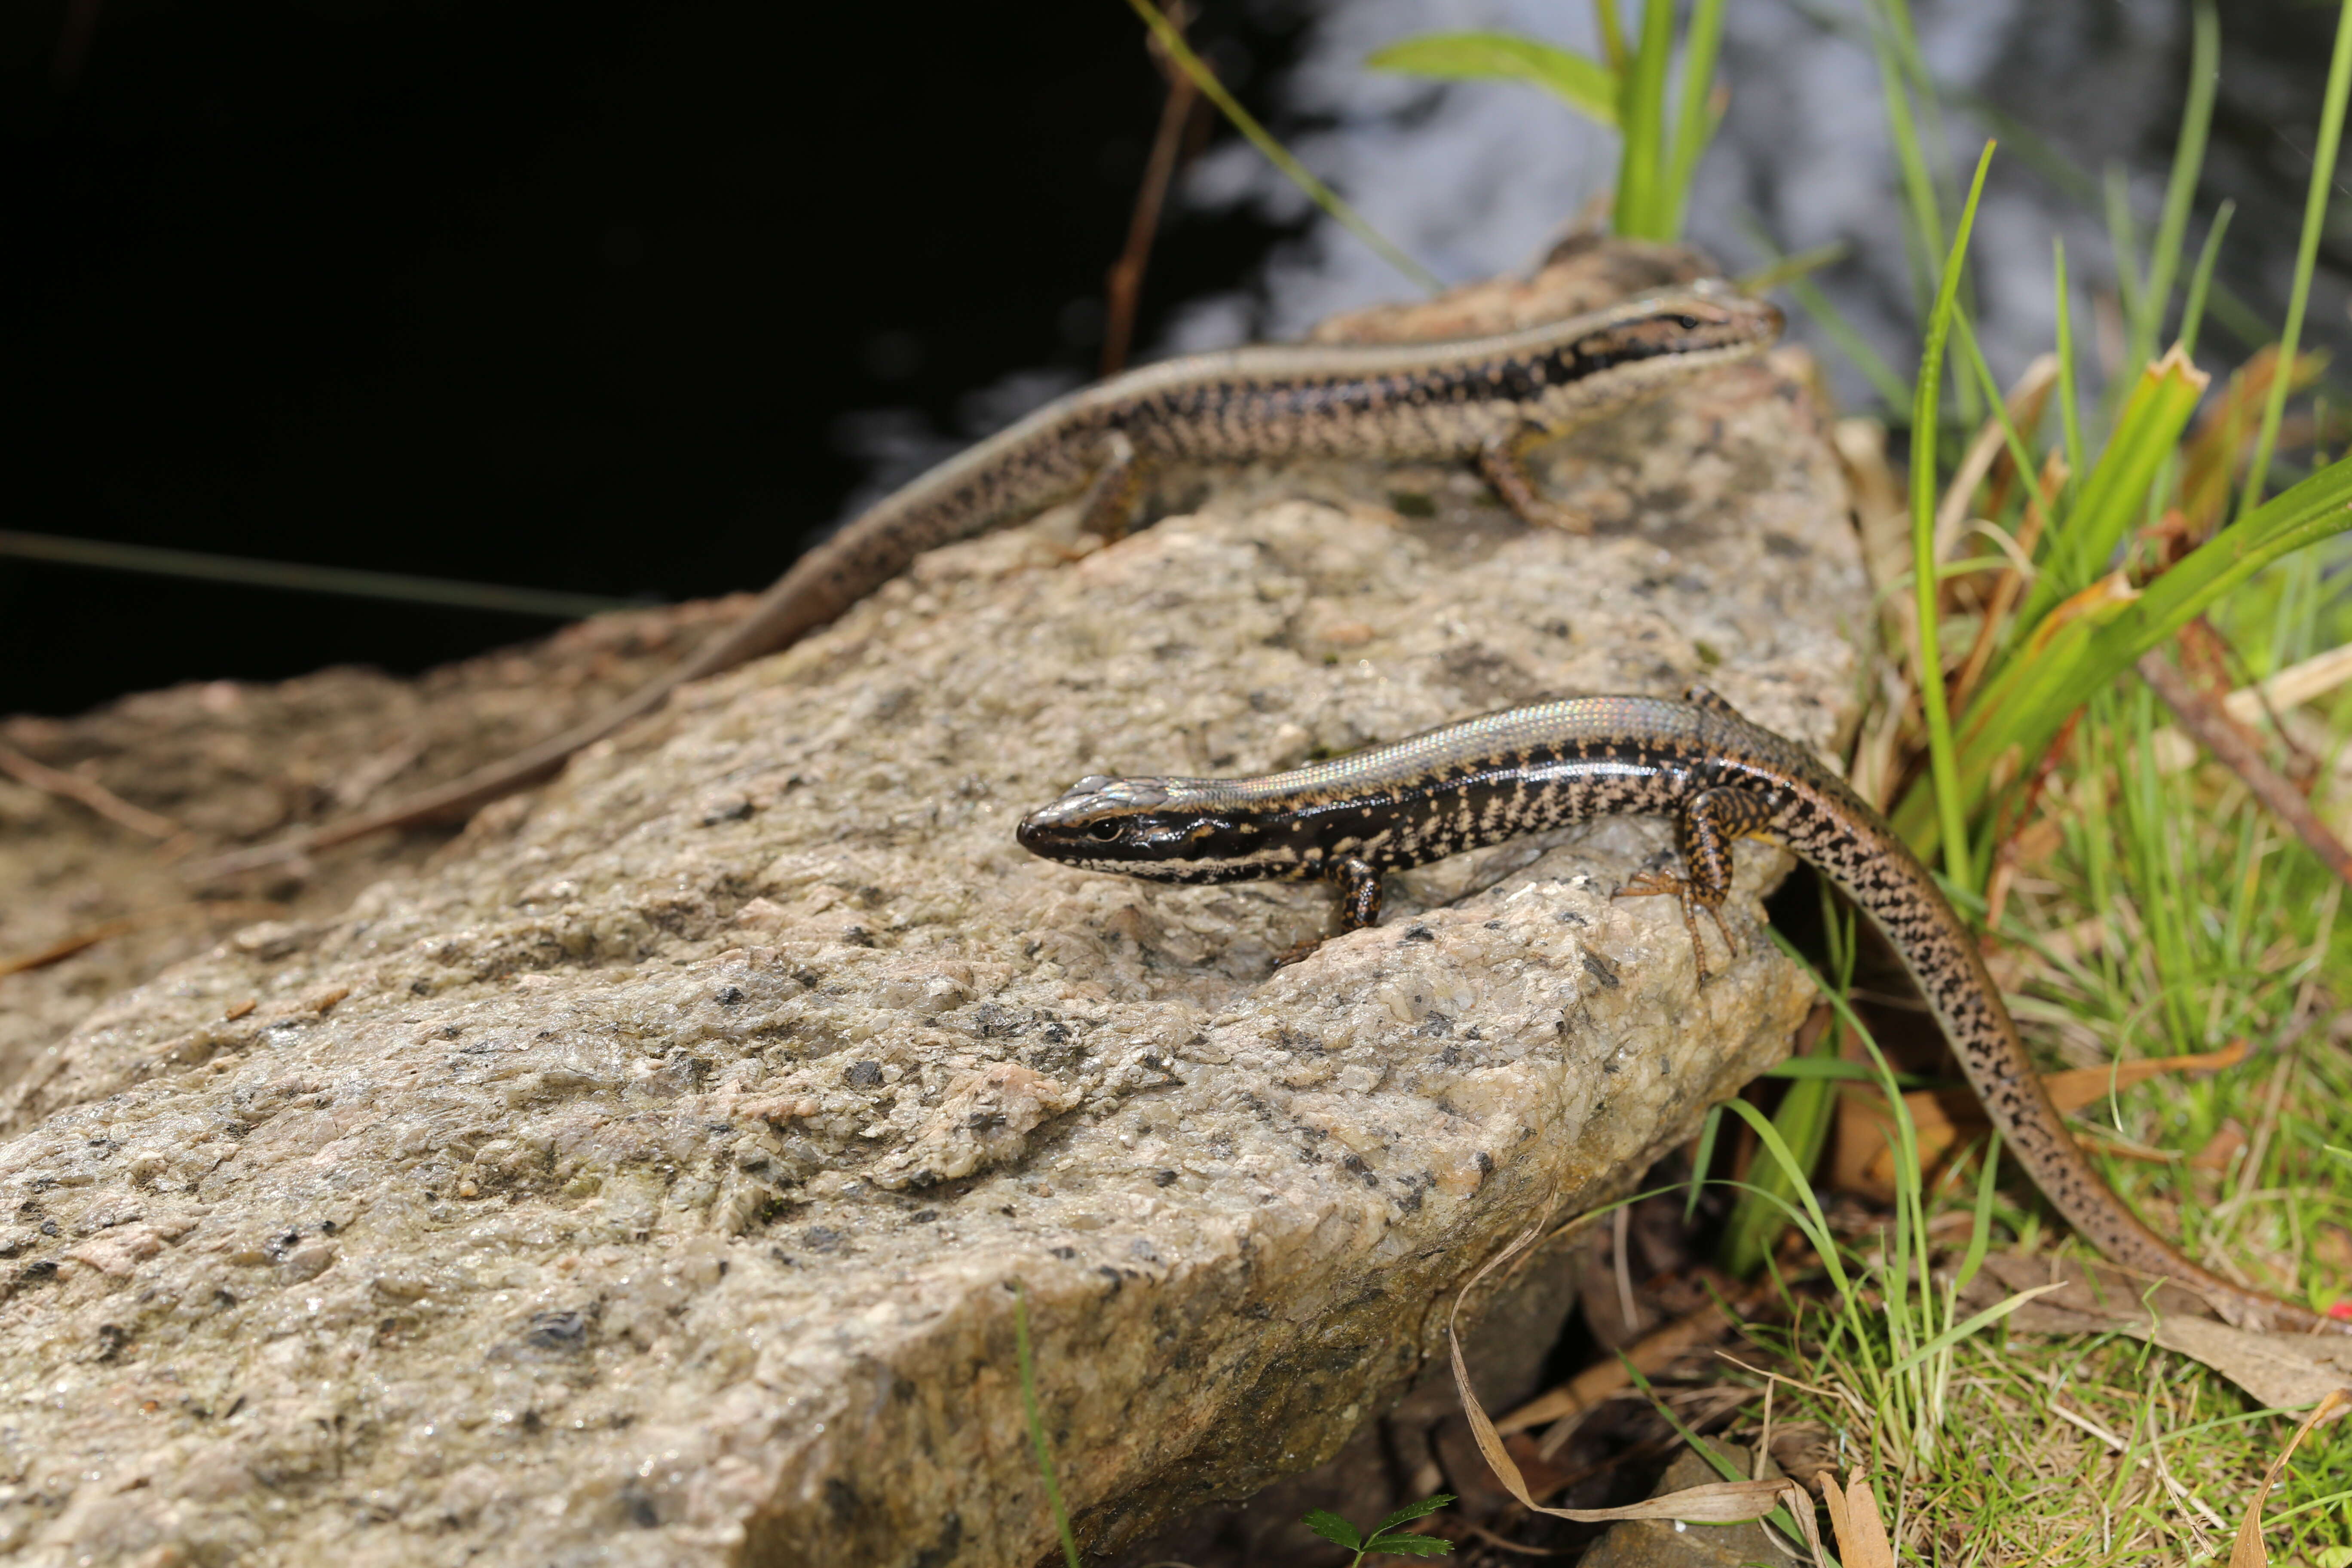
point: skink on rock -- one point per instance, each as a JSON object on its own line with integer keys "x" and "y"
{"x": 1488, "y": 399}
{"x": 1719, "y": 777}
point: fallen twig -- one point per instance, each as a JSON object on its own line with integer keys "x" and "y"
{"x": 2205, "y": 721}
{"x": 90, "y": 936}
{"x": 89, "y": 792}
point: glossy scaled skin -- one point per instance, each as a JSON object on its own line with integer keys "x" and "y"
{"x": 1698, "y": 762}
{"x": 1485, "y": 398}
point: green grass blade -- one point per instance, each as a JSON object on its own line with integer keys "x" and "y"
{"x": 2111, "y": 499}
{"x": 2307, "y": 253}
{"x": 1613, "y": 35}
{"x": 1926, "y": 231}
{"x": 2123, "y": 239}
{"x": 2011, "y": 437}
{"x": 1943, "y": 761}
{"x": 2192, "y": 314}
{"x": 1785, "y": 269}
{"x": 1980, "y": 1221}
{"x": 1703, "y": 1157}
{"x": 1802, "y": 1118}
{"x": 1586, "y": 86}
{"x": 1697, "y": 126}
{"x": 1962, "y": 1330}
{"x": 1856, "y": 349}
{"x": 1321, "y": 194}
{"x": 2070, "y": 407}
{"x": 1815, "y": 1225}
{"x": 1641, "y": 117}
{"x": 2188, "y": 162}
{"x": 1028, "y": 1367}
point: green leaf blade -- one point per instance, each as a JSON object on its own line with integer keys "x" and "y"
{"x": 1642, "y": 115}
{"x": 1942, "y": 757}
{"x": 1411, "y": 1511}
{"x": 1584, "y": 85}
{"x": 1334, "y": 1529}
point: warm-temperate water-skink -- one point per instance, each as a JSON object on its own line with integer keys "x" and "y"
{"x": 1719, "y": 777}
{"x": 1487, "y": 399}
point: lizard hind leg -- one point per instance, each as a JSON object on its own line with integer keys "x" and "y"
{"x": 1503, "y": 460}
{"x": 1713, "y": 701}
{"x": 1708, "y": 824}
{"x": 1693, "y": 900}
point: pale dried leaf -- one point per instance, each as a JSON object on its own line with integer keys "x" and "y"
{"x": 1854, "y": 1517}
{"x": 2079, "y": 1087}
{"x": 1718, "y": 1502}
{"x": 1863, "y": 1161}
{"x": 2285, "y": 1371}
{"x": 2248, "y": 1550}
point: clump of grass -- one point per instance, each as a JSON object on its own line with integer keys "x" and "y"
{"x": 2145, "y": 900}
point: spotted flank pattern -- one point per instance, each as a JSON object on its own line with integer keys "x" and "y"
{"x": 1719, "y": 777}
{"x": 1449, "y": 399}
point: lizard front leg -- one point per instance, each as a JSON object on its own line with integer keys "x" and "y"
{"x": 1107, "y": 508}
{"x": 1359, "y": 881}
{"x": 1503, "y": 459}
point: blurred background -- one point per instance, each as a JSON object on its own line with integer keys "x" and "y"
{"x": 634, "y": 300}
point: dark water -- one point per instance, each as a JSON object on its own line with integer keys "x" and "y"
{"x": 631, "y": 298}
{"x": 570, "y": 295}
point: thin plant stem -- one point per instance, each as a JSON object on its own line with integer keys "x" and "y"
{"x": 1124, "y": 287}
{"x": 1696, "y": 121}
{"x": 1321, "y": 194}
{"x": 2070, "y": 409}
{"x": 348, "y": 582}
{"x": 1613, "y": 34}
{"x": 2192, "y": 314}
{"x": 2188, "y": 162}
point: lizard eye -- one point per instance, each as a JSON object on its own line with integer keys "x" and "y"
{"x": 1105, "y": 831}
{"x": 1687, "y": 323}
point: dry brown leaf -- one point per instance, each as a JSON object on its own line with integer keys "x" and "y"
{"x": 2285, "y": 1371}
{"x": 1853, "y": 1518}
{"x": 1862, "y": 1159}
{"x": 2248, "y": 1550}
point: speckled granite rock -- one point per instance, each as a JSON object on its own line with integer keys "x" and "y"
{"x": 644, "y": 1181}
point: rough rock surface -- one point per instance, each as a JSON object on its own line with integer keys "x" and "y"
{"x": 1670, "y": 1543}
{"x": 644, "y": 1181}
{"x": 230, "y": 763}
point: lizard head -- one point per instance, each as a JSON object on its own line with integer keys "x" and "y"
{"x": 1679, "y": 329}
{"x": 1165, "y": 829}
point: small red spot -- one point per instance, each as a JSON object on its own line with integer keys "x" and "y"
{"x": 2341, "y": 1311}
